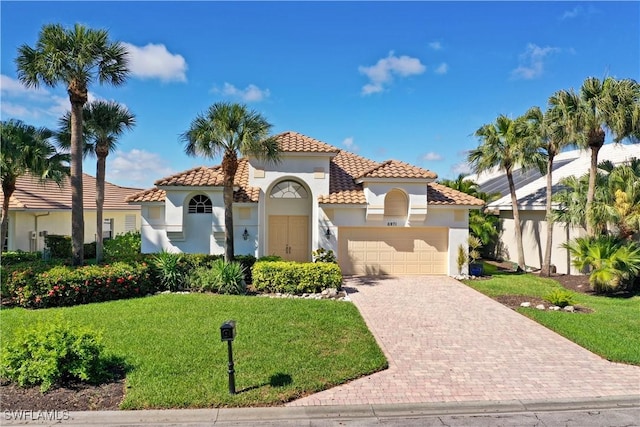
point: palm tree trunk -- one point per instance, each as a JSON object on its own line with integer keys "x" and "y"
{"x": 8, "y": 187}
{"x": 546, "y": 264}
{"x": 100, "y": 178}
{"x": 516, "y": 219}
{"x": 77, "y": 208}
{"x": 593, "y": 171}
{"x": 229, "y": 168}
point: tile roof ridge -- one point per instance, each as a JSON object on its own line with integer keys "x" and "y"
{"x": 373, "y": 169}
{"x": 185, "y": 172}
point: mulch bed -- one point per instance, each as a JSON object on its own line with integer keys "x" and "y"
{"x": 83, "y": 397}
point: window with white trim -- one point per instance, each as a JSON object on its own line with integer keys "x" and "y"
{"x": 289, "y": 190}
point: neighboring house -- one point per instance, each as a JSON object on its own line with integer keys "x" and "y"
{"x": 379, "y": 218}
{"x": 37, "y": 209}
{"x": 531, "y": 189}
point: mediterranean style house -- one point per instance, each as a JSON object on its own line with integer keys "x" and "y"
{"x": 37, "y": 209}
{"x": 379, "y": 218}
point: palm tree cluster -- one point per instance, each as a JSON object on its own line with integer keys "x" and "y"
{"x": 581, "y": 119}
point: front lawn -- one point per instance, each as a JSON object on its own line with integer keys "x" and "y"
{"x": 611, "y": 330}
{"x": 284, "y": 349}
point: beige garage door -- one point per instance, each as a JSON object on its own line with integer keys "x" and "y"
{"x": 392, "y": 251}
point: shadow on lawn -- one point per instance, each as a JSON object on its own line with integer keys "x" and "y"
{"x": 276, "y": 380}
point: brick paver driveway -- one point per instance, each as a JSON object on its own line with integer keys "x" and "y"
{"x": 446, "y": 342}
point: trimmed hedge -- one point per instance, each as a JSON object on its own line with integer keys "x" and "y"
{"x": 296, "y": 278}
{"x": 17, "y": 257}
{"x": 57, "y": 286}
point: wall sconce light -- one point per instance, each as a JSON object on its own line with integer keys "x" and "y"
{"x": 245, "y": 235}
{"x": 327, "y": 233}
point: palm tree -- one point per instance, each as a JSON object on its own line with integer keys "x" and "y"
{"x": 605, "y": 106}
{"x": 550, "y": 132}
{"x": 505, "y": 145}
{"x": 74, "y": 57}
{"x": 230, "y": 129}
{"x": 26, "y": 149}
{"x": 103, "y": 123}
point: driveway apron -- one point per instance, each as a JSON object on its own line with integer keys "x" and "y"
{"x": 446, "y": 342}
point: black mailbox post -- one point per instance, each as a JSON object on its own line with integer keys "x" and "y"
{"x": 228, "y": 333}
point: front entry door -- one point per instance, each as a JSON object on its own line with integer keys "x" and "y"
{"x": 289, "y": 237}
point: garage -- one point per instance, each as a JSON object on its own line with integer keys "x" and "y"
{"x": 392, "y": 251}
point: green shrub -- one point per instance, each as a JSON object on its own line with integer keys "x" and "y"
{"x": 60, "y": 246}
{"x": 222, "y": 277}
{"x": 17, "y": 257}
{"x": 247, "y": 262}
{"x": 42, "y": 285}
{"x": 614, "y": 263}
{"x": 324, "y": 255}
{"x": 171, "y": 270}
{"x": 51, "y": 353}
{"x": 90, "y": 250}
{"x": 296, "y": 278}
{"x": 194, "y": 261}
{"x": 269, "y": 258}
{"x": 123, "y": 247}
{"x": 560, "y": 297}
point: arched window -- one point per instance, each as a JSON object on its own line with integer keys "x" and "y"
{"x": 288, "y": 190}
{"x": 200, "y": 204}
{"x": 396, "y": 203}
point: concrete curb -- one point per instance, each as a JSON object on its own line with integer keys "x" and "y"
{"x": 221, "y": 416}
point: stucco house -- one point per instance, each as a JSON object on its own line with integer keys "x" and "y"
{"x": 378, "y": 218}
{"x": 37, "y": 209}
{"x": 531, "y": 195}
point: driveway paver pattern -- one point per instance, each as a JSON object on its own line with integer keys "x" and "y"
{"x": 446, "y": 342}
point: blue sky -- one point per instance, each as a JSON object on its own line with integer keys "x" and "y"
{"x": 410, "y": 81}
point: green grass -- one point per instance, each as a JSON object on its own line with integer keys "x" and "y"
{"x": 284, "y": 349}
{"x": 612, "y": 330}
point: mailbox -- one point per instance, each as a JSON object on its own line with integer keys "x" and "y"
{"x": 228, "y": 330}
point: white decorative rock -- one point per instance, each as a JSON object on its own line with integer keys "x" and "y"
{"x": 525, "y": 304}
{"x": 570, "y": 308}
{"x": 540, "y": 306}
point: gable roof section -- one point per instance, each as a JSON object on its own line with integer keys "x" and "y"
{"x": 346, "y": 172}
{"x": 32, "y": 194}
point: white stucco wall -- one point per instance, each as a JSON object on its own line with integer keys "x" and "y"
{"x": 534, "y": 239}
{"x": 22, "y": 223}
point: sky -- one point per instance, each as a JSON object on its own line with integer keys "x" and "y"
{"x": 410, "y": 81}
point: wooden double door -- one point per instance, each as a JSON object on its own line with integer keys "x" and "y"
{"x": 289, "y": 237}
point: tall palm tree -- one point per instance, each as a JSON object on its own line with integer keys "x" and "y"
{"x": 103, "y": 123}
{"x": 551, "y": 133}
{"x": 230, "y": 129}
{"x": 609, "y": 105}
{"x": 505, "y": 145}
{"x": 26, "y": 149}
{"x": 74, "y": 57}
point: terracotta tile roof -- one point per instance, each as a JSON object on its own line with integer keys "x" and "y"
{"x": 438, "y": 194}
{"x": 397, "y": 169}
{"x": 202, "y": 177}
{"x": 296, "y": 142}
{"x": 31, "y": 194}
{"x": 344, "y": 170}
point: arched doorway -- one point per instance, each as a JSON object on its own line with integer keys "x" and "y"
{"x": 288, "y": 215}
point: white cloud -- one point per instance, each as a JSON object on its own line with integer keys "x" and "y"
{"x": 137, "y": 168}
{"x": 462, "y": 167}
{"x": 532, "y": 61}
{"x": 13, "y": 87}
{"x": 16, "y": 111}
{"x": 442, "y": 68}
{"x": 569, "y": 14}
{"x": 431, "y": 156}
{"x": 155, "y": 61}
{"x": 251, "y": 93}
{"x": 435, "y": 45}
{"x": 351, "y": 146}
{"x": 382, "y": 73}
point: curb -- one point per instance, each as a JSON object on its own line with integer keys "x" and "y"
{"x": 221, "y": 416}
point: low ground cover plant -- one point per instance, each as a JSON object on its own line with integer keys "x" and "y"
{"x": 560, "y": 297}
{"x": 221, "y": 277}
{"x": 53, "y": 352}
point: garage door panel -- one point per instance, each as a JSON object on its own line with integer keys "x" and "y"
{"x": 393, "y": 251}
